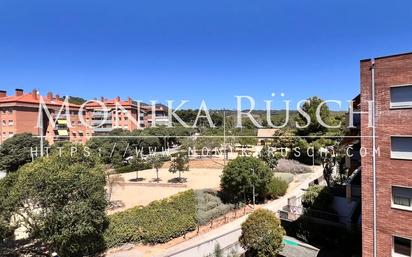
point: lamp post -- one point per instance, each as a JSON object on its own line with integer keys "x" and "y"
{"x": 253, "y": 188}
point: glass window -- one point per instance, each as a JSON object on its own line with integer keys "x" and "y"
{"x": 402, "y": 196}
{"x": 401, "y": 96}
{"x": 401, "y": 246}
{"x": 401, "y": 148}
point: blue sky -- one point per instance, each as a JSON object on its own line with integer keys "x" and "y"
{"x": 212, "y": 50}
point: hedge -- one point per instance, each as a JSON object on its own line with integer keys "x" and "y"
{"x": 158, "y": 222}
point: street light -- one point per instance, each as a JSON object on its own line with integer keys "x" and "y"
{"x": 253, "y": 188}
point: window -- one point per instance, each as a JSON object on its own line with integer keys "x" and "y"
{"x": 11, "y": 134}
{"x": 401, "y": 96}
{"x": 401, "y": 247}
{"x": 402, "y": 198}
{"x": 4, "y": 123}
{"x": 11, "y": 122}
{"x": 401, "y": 148}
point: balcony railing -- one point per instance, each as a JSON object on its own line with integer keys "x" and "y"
{"x": 102, "y": 130}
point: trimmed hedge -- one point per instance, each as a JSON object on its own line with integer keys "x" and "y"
{"x": 158, "y": 222}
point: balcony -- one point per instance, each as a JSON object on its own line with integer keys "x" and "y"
{"x": 101, "y": 122}
{"x": 102, "y": 130}
{"x": 102, "y": 114}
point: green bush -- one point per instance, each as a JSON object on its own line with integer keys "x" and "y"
{"x": 277, "y": 187}
{"x": 318, "y": 197}
{"x": 262, "y": 234}
{"x": 210, "y": 206}
{"x": 158, "y": 222}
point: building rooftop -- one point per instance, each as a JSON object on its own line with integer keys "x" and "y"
{"x": 387, "y": 56}
{"x": 31, "y": 98}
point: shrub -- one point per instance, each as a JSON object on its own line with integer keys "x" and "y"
{"x": 277, "y": 187}
{"x": 158, "y": 222}
{"x": 262, "y": 234}
{"x": 288, "y": 177}
{"x": 317, "y": 197}
{"x": 130, "y": 167}
{"x": 292, "y": 166}
{"x": 210, "y": 206}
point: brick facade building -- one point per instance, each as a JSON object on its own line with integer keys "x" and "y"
{"x": 19, "y": 113}
{"x": 393, "y": 94}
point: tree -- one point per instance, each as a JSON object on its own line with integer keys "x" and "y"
{"x": 138, "y": 164}
{"x": 217, "y": 252}
{"x": 268, "y": 157}
{"x": 156, "y": 161}
{"x": 112, "y": 181}
{"x": 179, "y": 164}
{"x": 17, "y": 151}
{"x": 314, "y": 127}
{"x": 241, "y": 174}
{"x": 262, "y": 234}
{"x": 62, "y": 201}
{"x": 283, "y": 138}
{"x": 6, "y": 207}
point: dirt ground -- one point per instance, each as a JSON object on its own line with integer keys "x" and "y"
{"x": 132, "y": 194}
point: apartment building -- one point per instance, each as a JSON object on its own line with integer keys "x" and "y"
{"x": 393, "y": 169}
{"x": 156, "y": 115}
{"x": 106, "y": 115}
{"x": 19, "y": 113}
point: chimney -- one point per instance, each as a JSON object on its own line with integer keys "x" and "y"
{"x": 33, "y": 93}
{"x": 129, "y": 100}
{"x": 102, "y": 99}
{"x": 3, "y": 93}
{"x": 49, "y": 96}
{"x": 19, "y": 92}
{"x": 118, "y": 99}
{"x": 57, "y": 97}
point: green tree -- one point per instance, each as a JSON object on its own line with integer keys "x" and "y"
{"x": 62, "y": 201}
{"x": 284, "y": 138}
{"x": 314, "y": 127}
{"x": 179, "y": 164}
{"x": 17, "y": 151}
{"x": 138, "y": 164}
{"x": 269, "y": 157}
{"x": 217, "y": 252}
{"x": 241, "y": 174}
{"x": 262, "y": 234}
{"x": 6, "y": 206}
{"x": 156, "y": 161}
